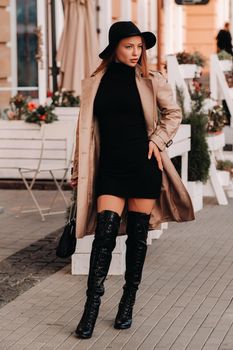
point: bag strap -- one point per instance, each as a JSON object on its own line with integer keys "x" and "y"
{"x": 72, "y": 213}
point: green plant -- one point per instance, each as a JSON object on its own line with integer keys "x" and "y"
{"x": 191, "y": 58}
{"x": 29, "y": 111}
{"x": 198, "y": 157}
{"x": 226, "y": 165}
{"x": 39, "y": 114}
{"x": 64, "y": 98}
{"x": 223, "y": 55}
{"x": 217, "y": 119}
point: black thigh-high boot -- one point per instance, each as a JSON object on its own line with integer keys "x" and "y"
{"x": 104, "y": 242}
{"x": 136, "y": 248}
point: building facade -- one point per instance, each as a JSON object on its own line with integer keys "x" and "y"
{"x": 26, "y": 37}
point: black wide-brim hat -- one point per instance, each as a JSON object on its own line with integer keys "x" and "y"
{"x": 124, "y": 29}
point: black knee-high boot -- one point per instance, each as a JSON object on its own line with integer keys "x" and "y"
{"x": 136, "y": 248}
{"x": 104, "y": 242}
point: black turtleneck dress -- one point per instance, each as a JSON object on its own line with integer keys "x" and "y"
{"x": 124, "y": 168}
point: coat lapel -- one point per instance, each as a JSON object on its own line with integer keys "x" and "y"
{"x": 146, "y": 92}
{"x": 89, "y": 88}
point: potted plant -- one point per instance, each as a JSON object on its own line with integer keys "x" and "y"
{"x": 22, "y": 108}
{"x": 225, "y": 171}
{"x": 39, "y": 114}
{"x": 217, "y": 119}
{"x": 190, "y": 63}
{"x": 225, "y": 61}
{"x": 198, "y": 157}
{"x": 66, "y": 104}
{"x": 16, "y": 108}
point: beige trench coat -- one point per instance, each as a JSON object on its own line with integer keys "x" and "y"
{"x": 174, "y": 203}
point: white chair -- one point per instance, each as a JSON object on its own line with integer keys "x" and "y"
{"x": 54, "y": 158}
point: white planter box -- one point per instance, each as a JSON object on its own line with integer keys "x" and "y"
{"x": 81, "y": 258}
{"x": 67, "y": 113}
{"x": 224, "y": 177}
{"x": 216, "y": 141}
{"x": 190, "y": 71}
{"x": 226, "y": 65}
{"x": 195, "y": 190}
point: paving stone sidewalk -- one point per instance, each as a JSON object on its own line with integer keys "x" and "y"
{"x": 36, "y": 259}
{"x": 18, "y": 232}
{"x": 185, "y": 300}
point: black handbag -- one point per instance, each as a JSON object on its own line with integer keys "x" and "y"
{"x": 67, "y": 243}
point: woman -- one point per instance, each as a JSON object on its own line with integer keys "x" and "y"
{"x": 126, "y": 182}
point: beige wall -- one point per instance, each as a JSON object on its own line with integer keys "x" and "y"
{"x": 116, "y": 10}
{"x": 5, "y": 70}
{"x": 200, "y": 28}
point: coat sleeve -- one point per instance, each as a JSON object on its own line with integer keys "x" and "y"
{"x": 171, "y": 115}
{"x": 74, "y": 175}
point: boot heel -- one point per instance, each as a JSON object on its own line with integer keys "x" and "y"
{"x": 124, "y": 315}
{"x": 86, "y": 325}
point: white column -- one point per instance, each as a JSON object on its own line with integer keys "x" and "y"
{"x": 126, "y": 10}
{"x": 59, "y": 13}
{"x": 231, "y": 16}
{"x": 142, "y": 15}
{"x": 168, "y": 27}
{"x": 153, "y": 15}
{"x": 223, "y": 12}
{"x": 13, "y": 45}
{"x": 42, "y": 64}
{"x": 226, "y": 10}
{"x": 178, "y": 41}
{"x": 105, "y": 21}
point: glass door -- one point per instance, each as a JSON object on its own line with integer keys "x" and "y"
{"x": 27, "y": 66}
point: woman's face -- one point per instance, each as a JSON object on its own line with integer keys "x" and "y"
{"x": 129, "y": 50}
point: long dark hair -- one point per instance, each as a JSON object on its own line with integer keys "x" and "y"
{"x": 142, "y": 61}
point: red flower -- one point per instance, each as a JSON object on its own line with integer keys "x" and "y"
{"x": 32, "y": 106}
{"x": 49, "y": 94}
{"x": 42, "y": 117}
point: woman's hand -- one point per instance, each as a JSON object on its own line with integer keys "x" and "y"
{"x": 153, "y": 149}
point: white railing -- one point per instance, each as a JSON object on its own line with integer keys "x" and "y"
{"x": 176, "y": 79}
{"x": 218, "y": 84}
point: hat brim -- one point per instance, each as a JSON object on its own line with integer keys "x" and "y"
{"x": 149, "y": 38}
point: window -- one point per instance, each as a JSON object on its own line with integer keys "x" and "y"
{"x": 191, "y": 2}
{"x": 27, "y": 44}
